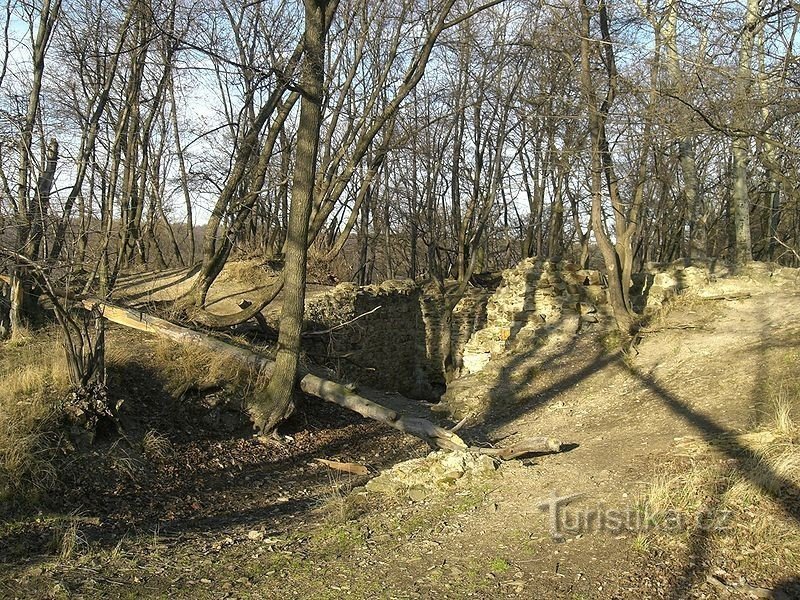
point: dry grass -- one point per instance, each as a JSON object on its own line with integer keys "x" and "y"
{"x": 681, "y": 493}
{"x": 156, "y": 446}
{"x": 782, "y": 409}
{"x": 745, "y": 499}
{"x": 35, "y": 380}
{"x": 118, "y": 355}
{"x": 251, "y": 272}
{"x": 683, "y": 302}
{"x": 68, "y": 540}
{"x": 184, "y": 367}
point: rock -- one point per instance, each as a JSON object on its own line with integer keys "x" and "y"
{"x": 417, "y": 494}
{"x": 475, "y": 361}
{"x": 438, "y": 472}
{"x": 254, "y": 535}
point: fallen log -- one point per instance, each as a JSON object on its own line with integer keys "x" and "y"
{"x": 311, "y": 384}
{"x": 531, "y": 445}
{"x": 731, "y": 296}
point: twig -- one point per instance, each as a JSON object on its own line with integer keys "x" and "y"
{"x": 460, "y": 424}
{"x": 531, "y": 445}
{"x": 789, "y": 248}
{"x": 738, "y": 296}
{"x": 340, "y": 325}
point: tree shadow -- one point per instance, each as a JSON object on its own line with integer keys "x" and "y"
{"x": 466, "y": 320}
{"x": 528, "y": 312}
{"x": 786, "y": 589}
{"x": 511, "y": 395}
{"x": 747, "y": 462}
{"x": 213, "y": 478}
{"x": 515, "y": 390}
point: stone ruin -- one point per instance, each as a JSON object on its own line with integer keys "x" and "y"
{"x": 389, "y": 336}
{"x": 392, "y": 339}
{"x": 373, "y": 335}
{"x": 536, "y": 299}
{"x": 660, "y": 282}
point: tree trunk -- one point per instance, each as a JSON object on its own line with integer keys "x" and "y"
{"x": 740, "y": 199}
{"x": 694, "y": 203}
{"x": 616, "y": 257}
{"x": 309, "y": 383}
{"x": 741, "y": 203}
{"x": 277, "y": 403}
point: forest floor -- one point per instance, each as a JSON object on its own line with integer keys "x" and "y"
{"x": 682, "y": 476}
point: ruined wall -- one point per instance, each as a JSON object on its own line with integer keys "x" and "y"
{"x": 536, "y": 298}
{"x": 371, "y": 335}
{"x": 468, "y": 316}
{"x": 660, "y": 282}
{"x": 388, "y": 336}
{"x": 392, "y": 336}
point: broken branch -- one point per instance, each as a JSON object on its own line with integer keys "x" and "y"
{"x": 314, "y": 385}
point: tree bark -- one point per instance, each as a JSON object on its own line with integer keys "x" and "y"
{"x": 27, "y": 208}
{"x": 616, "y": 257}
{"x": 277, "y": 402}
{"x": 740, "y": 197}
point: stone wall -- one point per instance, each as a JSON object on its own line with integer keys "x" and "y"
{"x": 660, "y": 282}
{"x": 468, "y": 316}
{"x": 536, "y": 297}
{"x": 391, "y": 336}
{"x": 388, "y": 336}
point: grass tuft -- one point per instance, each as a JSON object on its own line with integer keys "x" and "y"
{"x": 68, "y": 540}
{"x": 783, "y": 422}
{"x": 156, "y": 446}
{"x": 35, "y": 381}
{"x": 184, "y": 367}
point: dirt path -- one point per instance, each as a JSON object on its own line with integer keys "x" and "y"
{"x": 277, "y": 525}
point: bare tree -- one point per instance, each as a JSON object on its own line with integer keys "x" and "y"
{"x": 277, "y": 404}
{"x": 32, "y": 202}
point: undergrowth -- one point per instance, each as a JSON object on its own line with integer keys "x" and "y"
{"x": 35, "y": 381}
{"x": 185, "y": 367}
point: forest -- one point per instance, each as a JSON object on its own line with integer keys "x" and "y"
{"x": 369, "y": 141}
{"x": 585, "y": 215}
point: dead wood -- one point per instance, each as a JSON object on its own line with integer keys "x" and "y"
{"x": 734, "y": 296}
{"x": 354, "y": 468}
{"x": 262, "y": 322}
{"x": 340, "y": 325}
{"x": 209, "y": 320}
{"x": 668, "y": 327}
{"x": 311, "y": 384}
{"x": 531, "y": 445}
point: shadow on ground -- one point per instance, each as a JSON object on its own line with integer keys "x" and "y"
{"x": 208, "y": 477}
